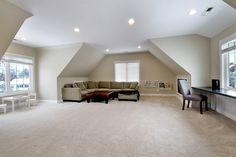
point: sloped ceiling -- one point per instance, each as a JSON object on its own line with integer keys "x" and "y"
{"x": 104, "y": 23}
{"x": 232, "y": 3}
{"x": 11, "y": 19}
{"x": 165, "y": 59}
{"x": 84, "y": 61}
{"x": 191, "y": 52}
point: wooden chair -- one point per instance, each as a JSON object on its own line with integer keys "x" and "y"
{"x": 185, "y": 91}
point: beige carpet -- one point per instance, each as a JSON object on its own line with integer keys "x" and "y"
{"x": 152, "y": 127}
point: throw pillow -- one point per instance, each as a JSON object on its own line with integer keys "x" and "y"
{"x": 133, "y": 85}
{"x": 79, "y": 85}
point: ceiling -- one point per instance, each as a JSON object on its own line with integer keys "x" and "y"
{"x": 104, "y": 23}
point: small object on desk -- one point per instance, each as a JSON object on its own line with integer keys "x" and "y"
{"x": 215, "y": 84}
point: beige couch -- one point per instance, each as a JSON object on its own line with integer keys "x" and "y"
{"x": 77, "y": 91}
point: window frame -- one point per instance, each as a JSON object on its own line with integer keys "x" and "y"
{"x": 224, "y": 61}
{"x": 126, "y": 62}
{"x": 8, "y": 90}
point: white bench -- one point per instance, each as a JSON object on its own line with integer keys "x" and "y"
{"x": 28, "y": 99}
{"x": 3, "y": 107}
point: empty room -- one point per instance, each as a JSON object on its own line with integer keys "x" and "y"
{"x": 121, "y": 78}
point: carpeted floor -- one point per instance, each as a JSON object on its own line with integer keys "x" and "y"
{"x": 152, "y": 127}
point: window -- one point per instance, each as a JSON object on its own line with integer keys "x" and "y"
{"x": 229, "y": 64}
{"x": 127, "y": 71}
{"x": 16, "y": 73}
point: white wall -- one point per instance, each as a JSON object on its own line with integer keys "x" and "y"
{"x": 11, "y": 19}
{"x": 50, "y": 62}
{"x": 192, "y": 53}
{"x": 83, "y": 62}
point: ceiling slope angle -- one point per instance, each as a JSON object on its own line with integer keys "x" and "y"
{"x": 232, "y": 3}
{"x": 165, "y": 59}
{"x": 103, "y": 24}
{"x": 190, "y": 52}
{"x": 83, "y": 62}
{"x": 11, "y": 19}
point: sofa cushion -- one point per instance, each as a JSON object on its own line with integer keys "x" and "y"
{"x": 79, "y": 85}
{"x": 116, "y": 85}
{"x": 84, "y": 92}
{"x": 92, "y": 85}
{"x": 116, "y": 90}
{"x": 133, "y": 85}
{"x": 104, "y": 84}
{"x": 91, "y": 90}
{"x": 126, "y": 84}
{"x": 103, "y": 89}
{"x": 85, "y": 84}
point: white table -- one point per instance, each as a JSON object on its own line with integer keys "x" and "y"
{"x": 14, "y": 99}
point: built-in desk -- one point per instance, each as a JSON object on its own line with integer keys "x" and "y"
{"x": 221, "y": 100}
{"x": 222, "y": 91}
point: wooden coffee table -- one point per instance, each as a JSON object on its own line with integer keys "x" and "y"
{"x": 98, "y": 96}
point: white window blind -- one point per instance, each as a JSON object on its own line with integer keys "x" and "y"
{"x": 127, "y": 71}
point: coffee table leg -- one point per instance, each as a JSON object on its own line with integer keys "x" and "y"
{"x": 106, "y": 101}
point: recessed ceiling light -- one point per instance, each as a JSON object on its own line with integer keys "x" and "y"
{"x": 131, "y": 21}
{"x": 139, "y": 47}
{"x": 76, "y": 30}
{"x": 23, "y": 38}
{"x": 107, "y": 50}
{"x": 192, "y": 12}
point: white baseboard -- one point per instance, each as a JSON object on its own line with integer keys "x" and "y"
{"x": 152, "y": 94}
{"x": 48, "y": 101}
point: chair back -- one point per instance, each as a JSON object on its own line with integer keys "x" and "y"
{"x": 184, "y": 88}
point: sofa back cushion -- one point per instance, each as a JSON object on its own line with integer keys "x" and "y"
{"x": 133, "y": 85}
{"x": 92, "y": 85}
{"x": 104, "y": 84}
{"x": 126, "y": 85}
{"x": 85, "y": 84}
{"x": 79, "y": 85}
{"x": 116, "y": 85}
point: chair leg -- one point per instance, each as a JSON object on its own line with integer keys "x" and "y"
{"x": 188, "y": 103}
{"x": 183, "y": 104}
{"x": 206, "y": 104}
{"x": 200, "y": 107}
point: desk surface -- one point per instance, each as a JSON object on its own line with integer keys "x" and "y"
{"x": 221, "y": 91}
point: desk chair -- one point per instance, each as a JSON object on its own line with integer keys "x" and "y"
{"x": 185, "y": 91}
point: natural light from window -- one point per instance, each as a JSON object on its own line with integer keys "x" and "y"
{"x": 229, "y": 64}
{"x": 127, "y": 71}
{"x": 16, "y": 74}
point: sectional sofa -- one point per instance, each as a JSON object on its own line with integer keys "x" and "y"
{"x": 77, "y": 91}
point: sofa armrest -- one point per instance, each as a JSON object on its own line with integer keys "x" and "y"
{"x": 71, "y": 94}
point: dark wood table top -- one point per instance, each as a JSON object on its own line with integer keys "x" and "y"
{"x": 222, "y": 91}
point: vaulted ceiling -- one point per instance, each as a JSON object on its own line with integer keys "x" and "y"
{"x": 104, "y": 23}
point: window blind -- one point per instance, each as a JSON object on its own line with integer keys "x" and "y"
{"x": 127, "y": 71}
